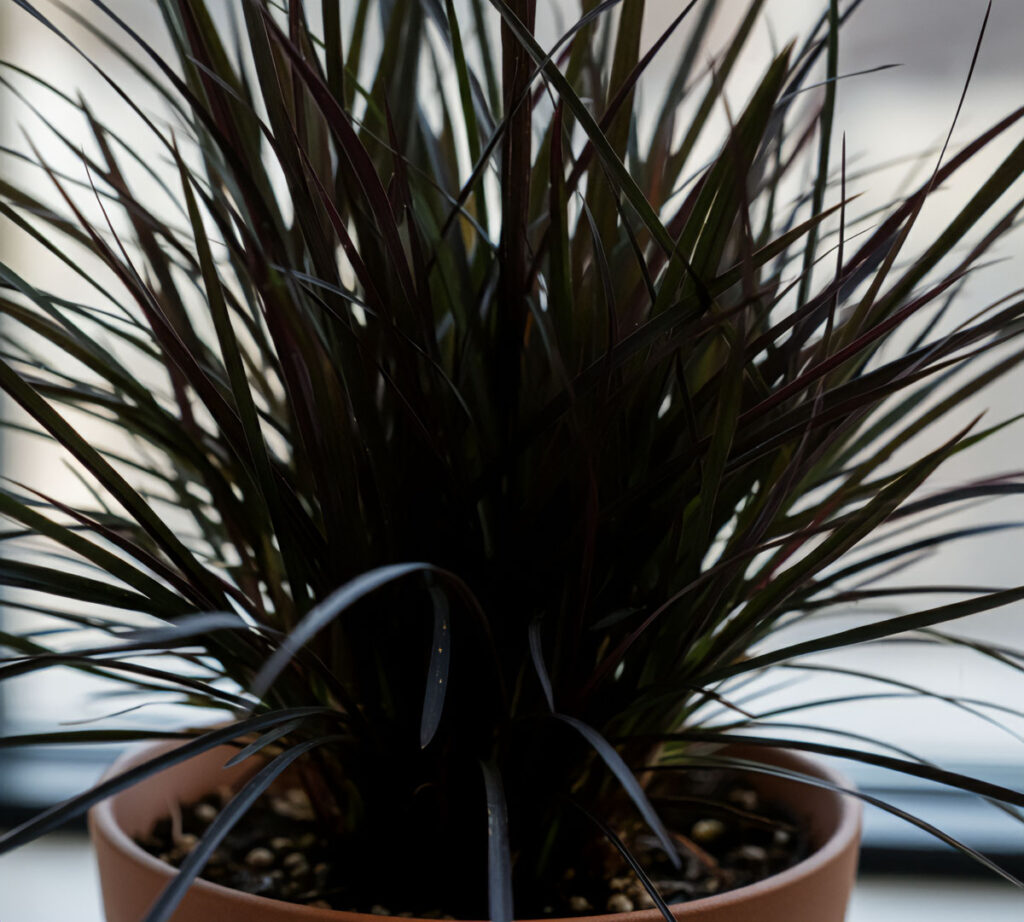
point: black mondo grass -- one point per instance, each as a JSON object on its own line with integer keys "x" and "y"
{"x": 445, "y": 425}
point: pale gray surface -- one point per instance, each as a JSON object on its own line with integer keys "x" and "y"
{"x": 51, "y": 880}
{"x": 56, "y": 880}
{"x": 929, "y": 899}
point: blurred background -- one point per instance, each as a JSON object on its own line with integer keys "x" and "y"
{"x": 888, "y": 118}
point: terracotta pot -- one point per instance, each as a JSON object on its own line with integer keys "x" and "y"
{"x": 815, "y": 890}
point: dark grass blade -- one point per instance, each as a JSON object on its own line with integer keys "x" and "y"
{"x": 321, "y": 615}
{"x": 539, "y": 666}
{"x": 113, "y": 669}
{"x": 904, "y": 766}
{"x": 30, "y": 400}
{"x": 499, "y": 855}
{"x": 773, "y": 588}
{"x": 971, "y": 706}
{"x": 750, "y": 765}
{"x": 184, "y": 632}
{"x": 165, "y": 905}
{"x": 89, "y": 737}
{"x": 880, "y": 630}
{"x": 959, "y": 701}
{"x": 262, "y": 741}
{"x": 52, "y": 581}
{"x": 440, "y": 664}
{"x": 627, "y": 779}
{"x": 630, "y": 859}
{"x": 59, "y": 814}
{"x": 824, "y": 143}
{"x": 616, "y": 169}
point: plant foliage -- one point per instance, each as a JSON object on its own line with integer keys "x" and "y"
{"x": 474, "y": 438}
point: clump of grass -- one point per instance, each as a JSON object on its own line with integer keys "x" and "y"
{"x": 499, "y": 439}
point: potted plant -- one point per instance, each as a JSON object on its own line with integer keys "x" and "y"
{"x": 477, "y": 445}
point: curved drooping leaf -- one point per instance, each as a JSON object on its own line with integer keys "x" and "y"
{"x": 499, "y": 857}
{"x": 762, "y": 768}
{"x": 55, "y": 816}
{"x": 234, "y": 810}
{"x": 437, "y": 672}
{"x": 628, "y": 780}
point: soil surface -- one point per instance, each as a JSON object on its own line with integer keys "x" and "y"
{"x": 725, "y": 838}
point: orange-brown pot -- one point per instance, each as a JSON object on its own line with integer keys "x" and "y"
{"x": 815, "y": 890}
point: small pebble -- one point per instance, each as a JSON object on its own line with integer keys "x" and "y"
{"x": 619, "y": 883}
{"x": 260, "y": 858}
{"x": 186, "y": 843}
{"x": 205, "y": 813}
{"x": 296, "y": 864}
{"x": 711, "y": 885}
{"x": 379, "y": 910}
{"x": 744, "y": 798}
{"x": 281, "y": 806}
{"x": 781, "y": 837}
{"x": 294, "y": 804}
{"x": 619, "y": 902}
{"x": 305, "y": 841}
{"x": 677, "y": 891}
{"x": 694, "y": 870}
{"x": 753, "y": 853}
{"x": 322, "y": 869}
{"x": 282, "y": 843}
{"x": 262, "y": 884}
{"x": 707, "y": 830}
{"x": 645, "y": 901}
{"x": 579, "y": 904}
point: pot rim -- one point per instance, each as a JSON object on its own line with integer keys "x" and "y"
{"x": 102, "y": 823}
